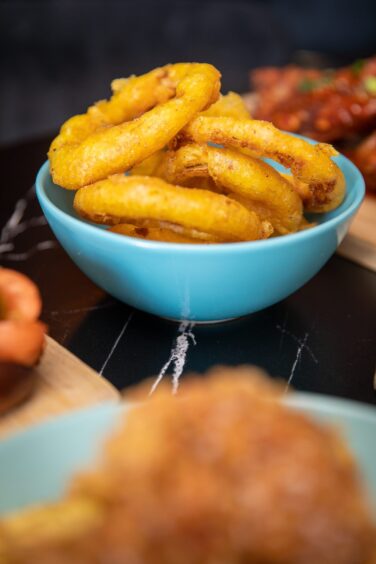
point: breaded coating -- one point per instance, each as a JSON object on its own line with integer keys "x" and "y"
{"x": 221, "y": 474}
{"x": 311, "y": 164}
{"x": 115, "y": 135}
{"x": 136, "y": 199}
{"x": 262, "y": 188}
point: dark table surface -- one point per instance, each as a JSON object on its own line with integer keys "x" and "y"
{"x": 320, "y": 339}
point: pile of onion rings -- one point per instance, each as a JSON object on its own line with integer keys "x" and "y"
{"x": 194, "y": 163}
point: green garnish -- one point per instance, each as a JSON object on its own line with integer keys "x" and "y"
{"x": 369, "y": 84}
{"x": 327, "y": 78}
{"x": 357, "y": 66}
{"x": 308, "y": 85}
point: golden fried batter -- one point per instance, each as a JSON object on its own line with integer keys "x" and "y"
{"x": 135, "y": 199}
{"x": 263, "y": 189}
{"x": 221, "y": 474}
{"x": 228, "y": 105}
{"x": 310, "y": 164}
{"x": 156, "y": 234}
{"x": 112, "y": 136}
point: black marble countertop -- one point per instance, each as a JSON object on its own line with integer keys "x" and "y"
{"x": 320, "y": 339}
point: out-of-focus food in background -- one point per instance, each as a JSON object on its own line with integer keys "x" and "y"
{"x": 21, "y": 336}
{"x": 223, "y": 472}
{"x": 336, "y": 106}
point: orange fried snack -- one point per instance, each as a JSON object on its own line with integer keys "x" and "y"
{"x": 223, "y": 472}
{"x": 165, "y": 234}
{"x": 262, "y": 189}
{"x": 179, "y": 108}
{"x": 228, "y": 105}
{"x": 139, "y": 120}
{"x": 21, "y": 334}
{"x": 310, "y": 164}
{"x": 136, "y": 199}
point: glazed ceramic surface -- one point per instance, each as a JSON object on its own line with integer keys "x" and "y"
{"x": 198, "y": 282}
{"x": 37, "y": 464}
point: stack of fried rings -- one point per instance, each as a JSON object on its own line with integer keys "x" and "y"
{"x": 194, "y": 161}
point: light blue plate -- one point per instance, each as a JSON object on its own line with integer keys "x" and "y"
{"x": 36, "y": 465}
{"x": 198, "y": 282}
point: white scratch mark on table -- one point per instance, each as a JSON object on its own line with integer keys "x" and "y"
{"x": 6, "y": 247}
{"x": 14, "y": 220}
{"x": 14, "y": 226}
{"x": 284, "y": 331}
{"x": 177, "y": 356}
{"x": 297, "y": 359}
{"x": 116, "y": 342}
{"x": 42, "y": 246}
{"x": 24, "y": 225}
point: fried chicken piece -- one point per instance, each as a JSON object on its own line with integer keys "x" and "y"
{"x": 223, "y": 473}
{"x": 326, "y": 105}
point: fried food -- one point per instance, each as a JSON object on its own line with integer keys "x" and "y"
{"x": 265, "y": 191}
{"x": 168, "y": 235}
{"x": 223, "y": 473}
{"x": 136, "y": 199}
{"x": 229, "y": 105}
{"x": 21, "y": 334}
{"x": 149, "y": 166}
{"x": 161, "y": 125}
{"x": 91, "y": 147}
{"x": 310, "y": 164}
{"x": 21, "y": 337}
{"x": 19, "y": 296}
{"x": 21, "y": 342}
{"x": 328, "y": 105}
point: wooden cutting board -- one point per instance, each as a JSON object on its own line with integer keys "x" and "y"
{"x": 360, "y": 243}
{"x": 64, "y": 383}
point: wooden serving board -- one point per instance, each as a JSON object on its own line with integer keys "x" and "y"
{"x": 360, "y": 243}
{"x": 64, "y": 383}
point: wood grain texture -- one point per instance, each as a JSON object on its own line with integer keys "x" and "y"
{"x": 360, "y": 243}
{"x": 64, "y": 383}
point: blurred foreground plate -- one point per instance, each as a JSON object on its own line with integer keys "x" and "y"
{"x": 36, "y": 465}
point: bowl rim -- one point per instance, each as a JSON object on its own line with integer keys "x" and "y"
{"x": 336, "y": 413}
{"x": 306, "y": 401}
{"x": 358, "y": 188}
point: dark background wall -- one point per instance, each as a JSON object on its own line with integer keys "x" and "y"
{"x": 58, "y": 56}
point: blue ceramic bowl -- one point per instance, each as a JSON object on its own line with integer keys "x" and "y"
{"x": 37, "y": 465}
{"x": 198, "y": 282}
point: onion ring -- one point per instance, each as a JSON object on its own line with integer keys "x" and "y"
{"x": 19, "y": 296}
{"x": 21, "y": 335}
{"x": 250, "y": 178}
{"x": 310, "y": 164}
{"x": 156, "y": 234}
{"x": 133, "y": 199}
{"x": 229, "y": 105}
{"x": 149, "y": 166}
{"x": 91, "y": 147}
{"x": 21, "y": 342}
